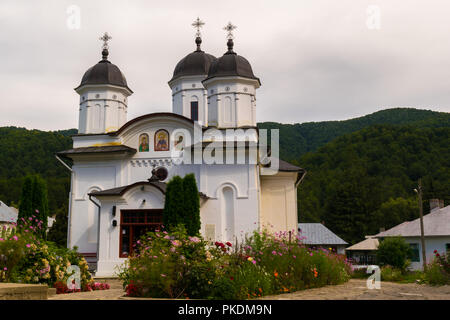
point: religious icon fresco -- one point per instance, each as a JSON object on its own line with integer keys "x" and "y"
{"x": 143, "y": 143}
{"x": 179, "y": 142}
{"x": 161, "y": 140}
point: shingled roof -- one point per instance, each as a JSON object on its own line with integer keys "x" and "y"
{"x": 436, "y": 223}
{"x": 318, "y": 234}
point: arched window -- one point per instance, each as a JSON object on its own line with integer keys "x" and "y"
{"x": 194, "y": 108}
{"x": 162, "y": 140}
{"x": 143, "y": 143}
{"x": 227, "y": 207}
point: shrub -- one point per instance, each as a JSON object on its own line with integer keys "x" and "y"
{"x": 174, "y": 203}
{"x": 394, "y": 251}
{"x": 176, "y": 265}
{"x": 191, "y": 211}
{"x": 438, "y": 271}
{"x": 389, "y": 273}
{"x": 27, "y": 258}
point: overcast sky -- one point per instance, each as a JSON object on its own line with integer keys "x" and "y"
{"x": 317, "y": 60}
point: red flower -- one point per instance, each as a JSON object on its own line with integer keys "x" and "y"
{"x": 229, "y": 244}
{"x": 435, "y": 251}
{"x": 231, "y": 278}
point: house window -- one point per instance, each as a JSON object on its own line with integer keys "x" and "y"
{"x": 415, "y": 257}
{"x": 194, "y": 110}
{"x": 134, "y": 224}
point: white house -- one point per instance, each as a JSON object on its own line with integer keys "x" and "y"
{"x": 436, "y": 230}
{"x": 115, "y": 198}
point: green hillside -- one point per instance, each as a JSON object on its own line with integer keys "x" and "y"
{"x": 362, "y": 181}
{"x": 29, "y": 152}
{"x": 297, "y": 139}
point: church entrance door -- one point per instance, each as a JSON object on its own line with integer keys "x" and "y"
{"x": 133, "y": 224}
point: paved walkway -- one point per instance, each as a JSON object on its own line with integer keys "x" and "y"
{"x": 355, "y": 289}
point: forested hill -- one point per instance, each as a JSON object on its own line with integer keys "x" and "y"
{"x": 25, "y": 152}
{"x": 297, "y": 139}
{"x": 365, "y": 180}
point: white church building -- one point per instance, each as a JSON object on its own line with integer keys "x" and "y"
{"x": 115, "y": 198}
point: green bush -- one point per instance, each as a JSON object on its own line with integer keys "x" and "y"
{"x": 438, "y": 271}
{"x": 26, "y": 258}
{"x": 394, "y": 251}
{"x": 176, "y": 265}
{"x": 389, "y": 273}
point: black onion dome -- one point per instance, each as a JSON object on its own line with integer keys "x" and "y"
{"x": 231, "y": 64}
{"x": 104, "y": 72}
{"x": 195, "y": 63}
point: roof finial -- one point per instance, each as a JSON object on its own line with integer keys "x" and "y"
{"x": 105, "y": 38}
{"x": 229, "y": 28}
{"x": 198, "y": 24}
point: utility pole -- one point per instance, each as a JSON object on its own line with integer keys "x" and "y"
{"x": 422, "y": 235}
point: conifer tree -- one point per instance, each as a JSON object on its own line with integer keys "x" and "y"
{"x": 26, "y": 199}
{"x": 174, "y": 203}
{"x": 40, "y": 201}
{"x": 191, "y": 212}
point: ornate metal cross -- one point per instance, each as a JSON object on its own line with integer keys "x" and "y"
{"x": 198, "y": 24}
{"x": 229, "y": 28}
{"x": 105, "y": 38}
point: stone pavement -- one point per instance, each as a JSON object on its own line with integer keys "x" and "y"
{"x": 355, "y": 289}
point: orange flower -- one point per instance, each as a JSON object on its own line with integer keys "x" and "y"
{"x": 260, "y": 290}
{"x": 275, "y": 273}
{"x": 285, "y": 289}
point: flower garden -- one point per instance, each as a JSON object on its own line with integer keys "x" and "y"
{"x": 175, "y": 265}
{"x": 25, "y": 257}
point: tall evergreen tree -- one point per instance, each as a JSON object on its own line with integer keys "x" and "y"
{"x": 191, "y": 212}
{"x": 26, "y": 199}
{"x": 174, "y": 203}
{"x": 40, "y": 201}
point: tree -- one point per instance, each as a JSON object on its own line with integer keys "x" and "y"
{"x": 26, "y": 199}
{"x": 394, "y": 251}
{"x": 191, "y": 212}
{"x": 396, "y": 211}
{"x": 174, "y": 203}
{"x": 40, "y": 201}
{"x": 34, "y": 200}
{"x": 58, "y": 232}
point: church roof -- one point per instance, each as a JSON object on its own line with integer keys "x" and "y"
{"x": 149, "y": 116}
{"x": 318, "y": 234}
{"x": 231, "y": 64}
{"x": 121, "y": 190}
{"x": 195, "y": 63}
{"x": 104, "y": 72}
{"x": 97, "y": 150}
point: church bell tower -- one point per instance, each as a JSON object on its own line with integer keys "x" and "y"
{"x": 103, "y": 96}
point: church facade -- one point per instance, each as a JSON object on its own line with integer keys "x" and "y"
{"x": 117, "y": 189}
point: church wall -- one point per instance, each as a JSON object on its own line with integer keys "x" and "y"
{"x": 219, "y": 182}
{"x": 279, "y": 202}
{"x": 89, "y": 177}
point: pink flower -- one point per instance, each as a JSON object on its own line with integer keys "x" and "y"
{"x": 28, "y": 245}
{"x": 294, "y": 257}
{"x": 15, "y": 238}
{"x": 253, "y": 261}
{"x": 274, "y": 252}
{"x": 163, "y": 275}
{"x": 5, "y": 269}
{"x": 1, "y": 239}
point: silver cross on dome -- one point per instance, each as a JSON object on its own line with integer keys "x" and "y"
{"x": 229, "y": 28}
{"x": 105, "y": 38}
{"x": 198, "y": 24}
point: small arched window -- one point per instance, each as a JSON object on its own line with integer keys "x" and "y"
{"x": 162, "y": 140}
{"x": 143, "y": 143}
